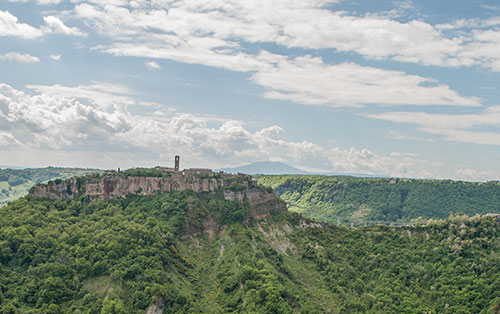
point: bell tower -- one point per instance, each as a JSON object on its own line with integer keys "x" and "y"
{"x": 177, "y": 160}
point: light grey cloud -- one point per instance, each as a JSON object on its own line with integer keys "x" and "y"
{"x": 211, "y": 33}
{"x": 474, "y": 175}
{"x": 395, "y": 135}
{"x": 490, "y": 7}
{"x": 195, "y": 26}
{"x": 215, "y": 29}
{"x": 40, "y": 2}
{"x": 401, "y": 9}
{"x": 53, "y": 125}
{"x": 464, "y": 128}
{"x": 189, "y": 52}
{"x": 55, "y": 122}
{"x": 19, "y": 57}
{"x": 8, "y": 141}
{"x": 308, "y": 80}
{"x": 100, "y": 93}
{"x": 152, "y": 65}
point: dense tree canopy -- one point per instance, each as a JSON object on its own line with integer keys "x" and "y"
{"x": 122, "y": 255}
{"x": 389, "y": 199}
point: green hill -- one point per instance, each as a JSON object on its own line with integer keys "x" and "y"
{"x": 15, "y": 183}
{"x": 187, "y": 252}
{"x": 388, "y": 199}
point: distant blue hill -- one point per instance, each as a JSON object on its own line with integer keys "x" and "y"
{"x": 265, "y": 167}
{"x": 276, "y": 168}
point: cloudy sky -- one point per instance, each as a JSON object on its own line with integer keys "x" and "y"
{"x": 401, "y": 88}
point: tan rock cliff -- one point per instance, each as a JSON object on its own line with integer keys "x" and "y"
{"x": 242, "y": 188}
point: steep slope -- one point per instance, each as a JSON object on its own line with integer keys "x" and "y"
{"x": 388, "y": 199}
{"x": 200, "y": 252}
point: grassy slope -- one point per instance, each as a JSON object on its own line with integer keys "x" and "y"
{"x": 323, "y": 197}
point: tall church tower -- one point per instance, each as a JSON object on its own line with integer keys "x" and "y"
{"x": 177, "y": 160}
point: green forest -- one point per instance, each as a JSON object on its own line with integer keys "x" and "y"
{"x": 323, "y": 198}
{"x": 15, "y": 183}
{"x": 383, "y": 199}
{"x": 123, "y": 255}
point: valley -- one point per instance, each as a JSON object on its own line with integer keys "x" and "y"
{"x": 383, "y": 200}
{"x": 218, "y": 251}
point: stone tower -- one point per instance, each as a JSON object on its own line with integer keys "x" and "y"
{"x": 177, "y": 160}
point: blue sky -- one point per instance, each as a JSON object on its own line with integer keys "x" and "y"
{"x": 401, "y": 88}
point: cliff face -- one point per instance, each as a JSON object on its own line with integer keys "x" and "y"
{"x": 112, "y": 185}
{"x": 261, "y": 202}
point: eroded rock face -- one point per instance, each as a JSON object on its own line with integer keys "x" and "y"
{"x": 156, "y": 307}
{"x": 261, "y": 202}
{"x": 258, "y": 202}
{"x": 55, "y": 190}
{"x": 116, "y": 186}
{"x": 113, "y": 185}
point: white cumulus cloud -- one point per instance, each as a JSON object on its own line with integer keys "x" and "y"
{"x": 54, "y": 25}
{"x": 10, "y": 26}
{"x": 19, "y": 57}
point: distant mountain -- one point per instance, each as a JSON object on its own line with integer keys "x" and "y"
{"x": 265, "y": 167}
{"x": 277, "y": 168}
{"x": 351, "y": 174}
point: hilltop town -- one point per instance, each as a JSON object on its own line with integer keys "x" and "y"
{"x": 152, "y": 181}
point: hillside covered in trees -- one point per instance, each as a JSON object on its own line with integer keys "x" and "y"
{"x": 387, "y": 199}
{"x": 157, "y": 253}
{"x": 15, "y": 183}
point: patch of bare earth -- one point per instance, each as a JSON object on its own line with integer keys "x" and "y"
{"x": 278, "y": 239}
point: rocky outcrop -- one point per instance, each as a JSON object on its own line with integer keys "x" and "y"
{"x": 156, "y": 306}
{"x": 257, "y": 201}
{"x": 57, "y": 190}
{"x": 261, "y": 202}
{"x": 115, "y": 185}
